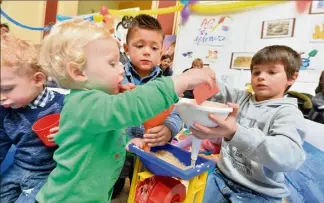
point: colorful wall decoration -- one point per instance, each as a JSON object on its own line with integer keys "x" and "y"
{"x": 213, "y": 31}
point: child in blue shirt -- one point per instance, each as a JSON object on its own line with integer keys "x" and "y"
{"x": 24, "y": 100}
{"x": 144, "y": 42}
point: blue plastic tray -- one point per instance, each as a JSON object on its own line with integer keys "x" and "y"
{"x": 159, "y": 167}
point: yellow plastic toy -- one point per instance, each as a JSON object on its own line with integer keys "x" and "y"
{"x": 195, "y": 189}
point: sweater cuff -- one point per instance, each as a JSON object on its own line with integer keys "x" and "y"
{"x": 243, "y": 140}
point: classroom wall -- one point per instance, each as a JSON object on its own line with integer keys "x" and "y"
{"x": 86, "y": 7}
{"x": 30, "y": 13}
{"x": 68, "y": 8}
{"x": 244, "y": 35}
{"x": 143, "y": 5}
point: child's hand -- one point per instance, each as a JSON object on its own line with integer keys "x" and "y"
{"x": 126, "y": 87}
{"x": 139, "y": 142}
{"x": 53, "y": 132}
{"x": 157, "y": 136}
{"x": 226, "y": 128}
{"x": 191, "y": 79}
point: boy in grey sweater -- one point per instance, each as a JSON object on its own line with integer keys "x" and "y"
{"x": 263, "y": 139}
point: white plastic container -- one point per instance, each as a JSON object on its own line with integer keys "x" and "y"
{"x": 191, "y": 112}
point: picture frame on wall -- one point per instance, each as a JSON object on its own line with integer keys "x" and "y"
{"x": 316, "y": 7}
{"x": 280, "y": 28}
{"x": 241, "y": 60}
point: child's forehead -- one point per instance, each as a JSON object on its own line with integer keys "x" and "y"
{"x": 146, "y": 35}
{"x": 9, "y": 73}
{"x": 99, "y": 44}
{"x": 268, "y": 65}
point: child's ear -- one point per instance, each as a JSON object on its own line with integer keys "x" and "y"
{"x": 75, "y": 73}
{"x": 39, "y": 78}
{"x": 293, "y": 79}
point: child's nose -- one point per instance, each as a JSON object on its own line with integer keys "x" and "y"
{"x": 3, "y": 98}
{"x": 147, "y": 50}
{"x": 261, "y": 76}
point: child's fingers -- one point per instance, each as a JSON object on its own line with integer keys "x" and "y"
{"x": 151, "y": 142}
{"x": 136, "y": 141}
{"x": 131, "y": 86}
{"x": 235, "y": 109}
{"x": 155, "y": 129}
{"x": 216, "y": 119}
{"x": 50, "y": 136}
{"x": 54, "y": 130}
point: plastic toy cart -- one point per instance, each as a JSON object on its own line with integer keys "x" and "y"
{"x": 167, "y": 187}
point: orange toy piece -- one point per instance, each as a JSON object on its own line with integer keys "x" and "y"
{"x": 156, "y": 121}
{"x": 203, "y": 92}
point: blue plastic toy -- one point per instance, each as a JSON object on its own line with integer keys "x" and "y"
{"x": 159, "y": 167}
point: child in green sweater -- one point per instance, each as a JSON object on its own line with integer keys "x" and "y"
{"x": 84, "y": 58}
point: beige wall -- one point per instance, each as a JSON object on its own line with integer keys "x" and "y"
{"x": 32, "y": 13}
{"x": 68, "y": 8}
{"x": 86, "y": 7}
{"x": 29, "y": 13}
{"x": 143, "y": 5}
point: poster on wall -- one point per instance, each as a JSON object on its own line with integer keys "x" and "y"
{"x": 211, "y": 55}
{"x": 316, "y": 29}
{"x": 317, "y": 7}
{"x": 278, "y": 28}
{"x": 241, "y": 60}
{"x": 213, "y": 31}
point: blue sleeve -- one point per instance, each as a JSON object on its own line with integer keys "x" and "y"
{"x": 174, "y": 122}
{"x": 5, "y": 142}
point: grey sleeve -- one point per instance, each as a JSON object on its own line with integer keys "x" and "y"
{"x": 281, "y": 149}
{"x": 226, "y": 93}
{"x": 174, "y": 123}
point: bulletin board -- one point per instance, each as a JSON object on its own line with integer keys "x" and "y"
{"x": 228, "y": 42}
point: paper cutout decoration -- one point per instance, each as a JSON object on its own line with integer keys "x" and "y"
{"x": 187, "y": 54}
{"x": 203, "y": 92}
{"x": 306, "y": 60}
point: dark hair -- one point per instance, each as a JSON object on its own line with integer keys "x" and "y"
{"x": 278, "y": 54}
{"x": 144, "y": 21}
{"x": 4, "y": 25}
{"x": 166, "y": 56}
{"x": 320, "y": 87}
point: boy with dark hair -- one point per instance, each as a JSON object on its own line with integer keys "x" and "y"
{"x": 264, "y": 139}
{"x": 4, "y": 28}
{"x": 144, "y": 41}
{"x": 165, "y": 65}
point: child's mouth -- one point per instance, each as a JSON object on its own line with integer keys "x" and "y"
{"x": 145, "y": 62}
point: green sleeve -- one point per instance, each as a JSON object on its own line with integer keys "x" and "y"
{"x": 103, "y": 112}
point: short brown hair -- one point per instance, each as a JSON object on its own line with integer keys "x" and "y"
{"x": 144, "y": 21}
{"x": 18, "y": 54}
{"x": 166, "y": 56}
{"x": 198, "y": 61}
{"x": 278, "y": 54}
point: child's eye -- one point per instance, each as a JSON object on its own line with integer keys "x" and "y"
{"x": 113, "y": 64}
{"x": 256, "y": 73}
{"x": 6, "y": 89}
{"x": 155, "y": 48}
{"x": 139, "y": 46}
{"x": 272, "y": 73}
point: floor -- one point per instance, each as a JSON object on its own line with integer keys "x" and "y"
{"x": 122, "y": 198}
